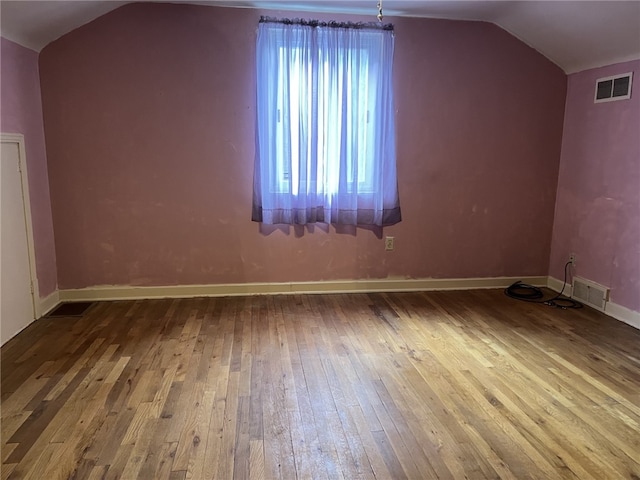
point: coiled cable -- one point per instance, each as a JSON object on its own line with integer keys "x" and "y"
{"x": 530, "y": 293}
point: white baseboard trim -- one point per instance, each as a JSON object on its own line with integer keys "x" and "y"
{"x": 107, "y": 293}
{"x": 556, "y": 285}
{"x": 41, "y": 307}
{"x": 623, "y": 314}
{"x": 614, "y": 310}
{"x": 47, "y": 304}
{"x": 238, "y": 289}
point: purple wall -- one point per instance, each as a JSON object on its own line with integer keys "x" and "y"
{"x": 598, "y": 207}
{"x": 22, "y": 113}
{"x": 149, "y": 112}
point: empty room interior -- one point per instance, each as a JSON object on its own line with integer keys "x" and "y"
{"x": 320, "y": 240}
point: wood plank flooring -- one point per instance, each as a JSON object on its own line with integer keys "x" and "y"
{"x": 376, "y": 386}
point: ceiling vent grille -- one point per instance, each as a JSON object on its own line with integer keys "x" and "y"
{"x": 609, "y": 89}
{"x": 590, "y": 293}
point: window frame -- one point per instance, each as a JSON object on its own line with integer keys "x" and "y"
{"x": 611, "y": 94}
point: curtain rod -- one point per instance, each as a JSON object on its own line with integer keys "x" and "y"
{"x": 330, "y": 24}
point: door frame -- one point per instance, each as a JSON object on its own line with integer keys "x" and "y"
{"x": 18, "y": 138}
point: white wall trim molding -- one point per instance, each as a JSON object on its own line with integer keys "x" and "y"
{"x": 556, "y": 285}
{"x": 18, "y": 139}
{"x": 111, "y": 292}
{"x": 341, "y": 286}
{"x": 623, "y": 314}
{"x": 48, "y": 303}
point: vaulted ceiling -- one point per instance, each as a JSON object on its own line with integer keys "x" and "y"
{"x": 576, "y": 35}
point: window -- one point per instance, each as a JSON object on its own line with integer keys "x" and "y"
{"x": 613, "y": 88}
{"x": 325, "y": 147}
{"x": 359, "y": 97}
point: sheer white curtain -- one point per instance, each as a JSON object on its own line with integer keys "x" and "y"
{"x": 325, "y": 134}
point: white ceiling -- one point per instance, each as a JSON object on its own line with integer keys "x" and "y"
{"x": 576, "y": 35}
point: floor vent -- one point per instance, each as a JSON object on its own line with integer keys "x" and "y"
{"x": 71, "y": 309}
{"x": 590, "y": 293}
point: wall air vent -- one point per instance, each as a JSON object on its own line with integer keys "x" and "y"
{"x": 613, "y": 88}
{"x": 590, "y": 293}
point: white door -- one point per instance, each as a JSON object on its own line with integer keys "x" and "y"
{"x": 16, "y": 296}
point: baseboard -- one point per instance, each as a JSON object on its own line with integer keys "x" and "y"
{"x": 106, "y": 293}
{"x": 556, "y": 285}
{"x": 614, "y": 310}
{"x": 623, "y": 314}
{"x": 237, "y": 289}
{"x": 47, "y": 304}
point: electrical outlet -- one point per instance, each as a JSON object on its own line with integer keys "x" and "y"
{"x": 572, "y": 259}
{"x": 388, "y": 243}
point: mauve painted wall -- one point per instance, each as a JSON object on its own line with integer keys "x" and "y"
{"x": 22, "y": 113}
{"x": 149, "y": 113}
{"x": 598, "y": 206}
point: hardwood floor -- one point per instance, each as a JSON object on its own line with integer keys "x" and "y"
{"x": 386, "y": 386}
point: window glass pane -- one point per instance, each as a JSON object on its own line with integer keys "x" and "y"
{"x": 350, "y": 77}
{"x": 604, "y": 89}
{"x": 621, "y": 87}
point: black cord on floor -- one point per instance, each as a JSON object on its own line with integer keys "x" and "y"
{"x": 529, "y": 293}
